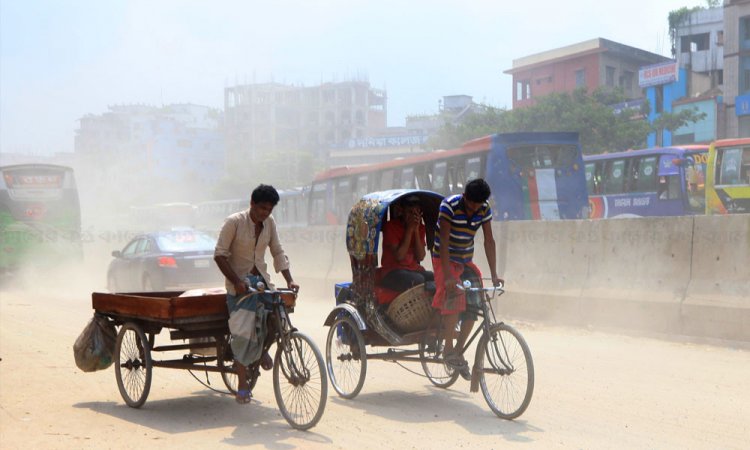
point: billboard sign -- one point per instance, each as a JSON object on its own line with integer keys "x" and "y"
{"x": 656, "y": 74}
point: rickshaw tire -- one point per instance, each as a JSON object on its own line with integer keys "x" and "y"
{"x": 485, "y": 352}
{"x": 132, "y": 391}
{"x": 279, "y": 375}
{"x": 359, "y": 355}
{"x": 426, "y": 353}
{"x": 231, "y": 379}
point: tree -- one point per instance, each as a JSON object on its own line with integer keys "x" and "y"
{"x": 601, "y": 127}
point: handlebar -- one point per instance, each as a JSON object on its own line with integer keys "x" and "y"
{"x": 466, "y": 286}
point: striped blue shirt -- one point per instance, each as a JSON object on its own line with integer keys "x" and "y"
{"x": 463, "y": 228}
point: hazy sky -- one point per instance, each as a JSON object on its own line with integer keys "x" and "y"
{"x": 60, "y": 60}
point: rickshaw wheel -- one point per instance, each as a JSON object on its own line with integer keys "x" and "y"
{"x": 133, "y": 364}
{"x": 346, "y": 361}
{"x": 226, "y": 363}
{"x": 506, "y": 370}
{"x": 299, "y": 382}
{"x": 431, "y": 357}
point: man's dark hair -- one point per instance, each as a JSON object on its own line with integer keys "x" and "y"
{"x": 477, "y": 190}
{"x": 265, "y": 193}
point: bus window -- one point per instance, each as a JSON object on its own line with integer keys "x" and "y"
{"x": 407, "y": 178}
{"x": 440, "y": 177}
{"x": 591, "y": 184}
{"x": 523, "y": 157}
{"x": 318, "y": 205}
{"x": 386, "y": 180}
{"x": 565, "y": 156}
{"x": 421, "y": 179}
{"x": 647, "y": 180}
{"x": 544, "y": 157}
{"x": 362, "y": 188}
{"x": 455, "y": 177}
{"x": 343, "y": 199}
{"x": 473, "y": 168}
{"x": 729, "y": 166}
{"x": 614, "y": 177}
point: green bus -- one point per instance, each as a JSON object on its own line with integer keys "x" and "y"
{"x": 40, "y": 216}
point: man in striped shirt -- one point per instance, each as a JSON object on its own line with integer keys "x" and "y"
{"x": 459, "y": 219}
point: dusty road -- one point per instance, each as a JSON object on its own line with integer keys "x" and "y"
{"x": 593, "y": 390}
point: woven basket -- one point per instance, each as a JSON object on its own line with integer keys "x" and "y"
{"x": 411, "y": 310}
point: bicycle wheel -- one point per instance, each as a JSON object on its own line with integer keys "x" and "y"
{"x": 431, "y": 357}
{"x": 302, "y": 398}
{"x": 346, "y": 358}
{"x": 506, "y": 371}
{"x": 133, "y": 365}
{"x": 228, "y": 375}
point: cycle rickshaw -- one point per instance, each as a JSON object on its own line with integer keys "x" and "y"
{"x": 407, "y": 329}
{"x": 299, "y": 382}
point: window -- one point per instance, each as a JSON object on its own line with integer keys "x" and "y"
{"x": 745, "y": 32}
{"x": 386, "y": 180}
{"x": 591, "y": 184}
{"x": 523, "y": 90}
{"x": 581, "y": 78}
{"x": 695, "y": 42}
{"x": 439, "y": 177}
{"x": 473, "y": 168}
{"x": 362, "y": 188}
{"x": 610, "y": 76}
{"x": 407, "y": 178}
{"x": 734, "y": 166}
{"x": 614, "y": 182}
{"x": 130, "y": 249}
{"x": 645, "y": 171}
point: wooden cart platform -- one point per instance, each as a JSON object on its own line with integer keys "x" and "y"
{"x": 164, "y": 309}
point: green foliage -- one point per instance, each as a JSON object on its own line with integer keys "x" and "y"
{"x": 600, "y": 128}
{"x": 673, "y": 121}
{"x": 677, "y": 18}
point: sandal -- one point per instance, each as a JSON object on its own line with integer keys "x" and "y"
{"x": 266, "y": 362}
{"x": 243, "y": 396}
{"x": 459, "y": 364}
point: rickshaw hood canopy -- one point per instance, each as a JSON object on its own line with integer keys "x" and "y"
{"x": 368, "y": 214}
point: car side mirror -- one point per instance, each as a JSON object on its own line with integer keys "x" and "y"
{"x": 116, "y": 253}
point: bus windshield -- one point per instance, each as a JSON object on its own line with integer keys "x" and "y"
{"x": 40, "y": 217}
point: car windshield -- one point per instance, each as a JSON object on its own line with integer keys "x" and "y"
{"x": 185, "y": 241}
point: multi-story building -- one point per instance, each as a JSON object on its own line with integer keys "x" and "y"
{"x": 132, "y": 149}
{"x": 273, "y": 117}
{"x": 694, "y": 80}
{"x": 590, "y": 64}
{"x": 737, "y": 67}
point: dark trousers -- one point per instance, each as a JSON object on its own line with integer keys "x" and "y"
{"x": 402, "y": 279}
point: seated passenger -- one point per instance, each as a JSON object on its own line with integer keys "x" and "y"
{"x": 404, "y": 247}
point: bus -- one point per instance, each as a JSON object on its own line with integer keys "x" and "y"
{"x": 532, "y": 176}
{"x": 40, "y": 216}
{"x": 728, "y": 177}
{"x": 667, "y": 181}
{"x": 291, "y": 211}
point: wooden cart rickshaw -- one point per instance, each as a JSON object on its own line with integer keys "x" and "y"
{"x": 299, "y": 381}
{"x": 408, "y": 329}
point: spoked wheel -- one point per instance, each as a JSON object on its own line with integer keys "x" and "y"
{"x": 346, "y": 358}
{"x": 299, "y": 382}
{"x": 226, "y": 363}
{"x": 431, "y": 356}
{"x": 133, "y": 364}
{"x": 506, "y": 371}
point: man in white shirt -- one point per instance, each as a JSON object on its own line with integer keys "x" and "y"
{"x": 240, "y": 255}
